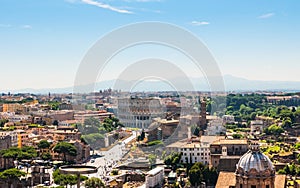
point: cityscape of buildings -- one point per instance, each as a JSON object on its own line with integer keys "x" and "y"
{"x": 155, "y": 139}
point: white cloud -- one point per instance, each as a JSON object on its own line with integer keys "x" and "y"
{"x": 265, "y": 16}
{"x": 197, "y": 23}
{"x": 26, "y": 26}
{"x": 106, "y": 6}
{"x": 5, "y": 25}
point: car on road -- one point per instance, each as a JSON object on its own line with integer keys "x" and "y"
{"x": 92, "y": 160}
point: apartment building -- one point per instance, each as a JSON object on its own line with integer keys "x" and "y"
{"x": 13, "y": 136}
{"x": 155, "y": 177}
{"x": 226, "y": 148}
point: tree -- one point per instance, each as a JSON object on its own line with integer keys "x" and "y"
{"x": 195, "y": 130}
{"x": 46, "y": 156}
{"x": 94, "y": 183}
{"x": 237, "y": 136}
{"x": 152, "y": 159}
{"x": 92, "y": 121}
{"x": 195, "y": 174}
{"x": 115, "y": 172}
{"x": 43, "y": 144}
{"x": 54, "y": 105}
{"x": 297, "y": 146}
{"x": 26, "y": 152}
{"x": 111, "y": 123}
{"x": 2, "y": 122}
{"x": 287, "y": 122}
{"x": 11, "y": 175}
{"x": 143, "y": 135}
{"x": 173, "y": 159}
{"x": 253, "y": 115}
{"x": 65, "y": 148}
{"x": 201, "y": 173}
{"x": 274, "y": 130}
{"x": 64, "y": 179}
{"x": 55, "y": 122}
{"x": 210, "y": 175}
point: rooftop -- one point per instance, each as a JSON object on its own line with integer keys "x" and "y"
{"x": 155, "y": 171}
{"x": 230, "y": 141}
{"x": 226, "y": 179}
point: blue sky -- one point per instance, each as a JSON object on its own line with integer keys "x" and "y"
{"x": 43, "y": 41}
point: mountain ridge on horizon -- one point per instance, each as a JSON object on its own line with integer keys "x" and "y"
{"x": 231, "y": 83}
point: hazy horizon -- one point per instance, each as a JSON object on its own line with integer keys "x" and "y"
{"x": 231, "y": 83}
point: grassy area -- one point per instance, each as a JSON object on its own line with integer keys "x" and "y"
{"x": 155, "y": 142}
{"x": 273, "y": 149}
{"x": 280, "y": 148}
{"x": 133, "y": 148}
{"x": 132, "y": 128}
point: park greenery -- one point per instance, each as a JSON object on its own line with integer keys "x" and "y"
{"x": 54, "y": 105}
{"x": 93, "y": 130}
{"x": 290, "y": 169}
{"x": 66, "y": 179}
{"x": 65, "y": 149}
{"x": 10, "y": 176}
{"x": 274, "y": 129}
{"x": 197, "y": 172}
{"x": 2, "y": 122}
{"x": 94, "y": 182}
{"x": 152, "y": 159}
{"x": 43, "y": 144}
{"x": 26, "y": 152}
{"x": 277, "y": 148}
{"x": 173, "y": 159}
{"x": 246, "y": 107}
{"x": 202, "y": 173}
{"x": 155, "y": 142}
{"x": 26, "y": 100}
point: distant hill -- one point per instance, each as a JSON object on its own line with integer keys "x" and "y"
{"x": 231, "y": 83}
